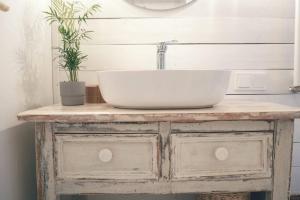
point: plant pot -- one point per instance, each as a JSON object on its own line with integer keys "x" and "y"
{"x": 72, "y": 93}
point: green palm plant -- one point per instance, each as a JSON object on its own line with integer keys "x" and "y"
{"x": 70, "y": 17}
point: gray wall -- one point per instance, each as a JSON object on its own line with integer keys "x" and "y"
{"x": 17, "y": 171}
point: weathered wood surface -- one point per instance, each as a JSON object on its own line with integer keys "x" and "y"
{"x": 160, "y": 187}
{"x": 226, "y": 110}
{"x": 247, "y": 155}
{"x": 164, "y": 131}
{"x": 222, "y": 126}
{"x": 283, "y": 144}
{"x": 110, "y": 128}
{"x": 132, "y": 156}
{"x": 45, "y": 162}
{"x": 268, "y": 131}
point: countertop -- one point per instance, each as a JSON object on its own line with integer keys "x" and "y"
{"x": 226, "y": 110}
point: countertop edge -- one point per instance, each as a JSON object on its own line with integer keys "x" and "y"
{"x": 160, "y": 117}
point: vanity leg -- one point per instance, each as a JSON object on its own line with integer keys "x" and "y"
{"x": 283, "y": 144}
{"x": 165, "y": 129}
{"x": 44, "y": 162}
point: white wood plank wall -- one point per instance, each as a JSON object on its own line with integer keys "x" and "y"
{"x": 246, "y": 36}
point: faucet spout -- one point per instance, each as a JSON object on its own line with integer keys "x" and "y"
{"x": 161, "y": 53}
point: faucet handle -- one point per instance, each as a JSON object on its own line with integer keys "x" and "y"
{"x": 162, "y": 46}
{"x": 168, "y": 42}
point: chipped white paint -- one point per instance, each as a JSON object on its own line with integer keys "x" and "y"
{"x": 112, "y": 187}
{"x": 283, "y": 144}
{"x": 121, "y": 156}
{"x": 226, "y": 110}
{"x": 195, "y": 156}
{"x": 111, "y": 128}
{"x": 222, "y": 126}
{"x": 156, "y": 152}
{"x": 45, "y": 162}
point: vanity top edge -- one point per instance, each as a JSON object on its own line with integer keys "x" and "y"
{"x": 226, "y": 110}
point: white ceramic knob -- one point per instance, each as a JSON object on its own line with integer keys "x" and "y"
{"x": 221, "y": 153}
{"x": 105, "y": 155}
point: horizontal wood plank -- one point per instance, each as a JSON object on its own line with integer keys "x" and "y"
{"x": 106, "y": 128}
{"x": 222, "y": 126}
{"x": 205, "y": 56}
{"x": 228, "y": 8}
{"x": 189, "y": 30}
{"x": 276, "y": 81}
{"x": 112, "y": 187}
{"x": 225, "y": 111}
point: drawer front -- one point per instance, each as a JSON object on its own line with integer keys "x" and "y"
{"x": 222, "y": 126}
{"x": 242, "y": 155}
{"x": 107, "y": 156}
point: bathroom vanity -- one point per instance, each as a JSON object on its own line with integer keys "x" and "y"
{"x": 236, "y": 146}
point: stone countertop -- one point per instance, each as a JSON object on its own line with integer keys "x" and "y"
{"x": 226, "y": 110}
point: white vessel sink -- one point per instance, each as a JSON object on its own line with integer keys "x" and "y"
{"x": 162, "y": 89}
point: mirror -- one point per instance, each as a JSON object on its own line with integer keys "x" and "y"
{"x": 160, "y": 4}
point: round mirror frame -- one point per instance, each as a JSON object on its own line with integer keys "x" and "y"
{"x": 144, "y": 6}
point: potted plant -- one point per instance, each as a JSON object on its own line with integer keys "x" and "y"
{"x": 70, "y": 17}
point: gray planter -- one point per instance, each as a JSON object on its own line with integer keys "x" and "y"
{"x": 72, "y": 93}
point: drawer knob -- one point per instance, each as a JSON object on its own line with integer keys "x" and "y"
{"x": 105, "y": 155}
{"x": 221, "y": 153}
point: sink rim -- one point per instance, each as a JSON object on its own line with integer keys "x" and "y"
{"x": 133, "y": 96}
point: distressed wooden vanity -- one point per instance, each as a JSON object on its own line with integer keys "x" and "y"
{"x": 236, "y": 146}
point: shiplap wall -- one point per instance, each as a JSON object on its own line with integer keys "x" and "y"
{"x": 245, "y": 35}
{"x": 241, "y": 35}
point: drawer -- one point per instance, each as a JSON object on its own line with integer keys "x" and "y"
{"x": 241, "y": 155}
{"x": 223, "y": 126}
{"x": 107, "y": 156}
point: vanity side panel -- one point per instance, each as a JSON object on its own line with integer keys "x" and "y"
{"x": 45, "y": 162}
{"x": 283, "y": 144}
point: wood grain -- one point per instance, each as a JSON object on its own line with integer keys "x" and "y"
{"x": 283, "y": 144}
{"x": 164, "y": 132}
{"x": 112, "y": 187}
{"x": 222, "y": 126}
{"x": 110, "y": 128}
{"x": 45, "y": 162}
{"x": 134, "y": 156}
{"x": 225, "y": 111}
{"x": 249, "y": 155}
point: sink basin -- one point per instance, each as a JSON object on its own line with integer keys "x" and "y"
{"x": 163, "y": 89}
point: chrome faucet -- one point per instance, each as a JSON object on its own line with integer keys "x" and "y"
{"x": 161, "y": 53}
